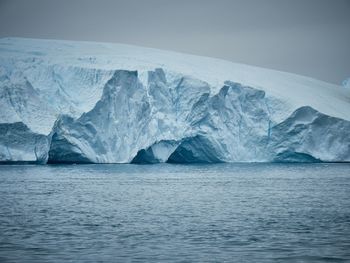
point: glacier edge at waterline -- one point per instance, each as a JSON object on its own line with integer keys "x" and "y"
{"x": 78, "y": 113}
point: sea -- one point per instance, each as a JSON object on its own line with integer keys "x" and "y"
{"x": 240, "y": 212}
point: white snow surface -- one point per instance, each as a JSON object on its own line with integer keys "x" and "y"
{"x": 116, "y": 103}
{"x": 72, "y": 66}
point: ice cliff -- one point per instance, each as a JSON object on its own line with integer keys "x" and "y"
{"x": 18, "y": 144}
{"x": 82, "y": 102}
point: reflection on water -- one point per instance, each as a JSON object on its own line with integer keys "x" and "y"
{"x": 177, "y": 213}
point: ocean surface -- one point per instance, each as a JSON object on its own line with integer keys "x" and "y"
{"x": 175, "y": 213}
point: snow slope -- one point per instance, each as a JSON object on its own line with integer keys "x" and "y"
{"x": 103, "y": 103}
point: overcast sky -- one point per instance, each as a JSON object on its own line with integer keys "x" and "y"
{"x": 308, "y": 37}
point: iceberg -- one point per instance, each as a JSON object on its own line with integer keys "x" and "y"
{"x": 346, "y": 83}
{"x": 86, "y": 102}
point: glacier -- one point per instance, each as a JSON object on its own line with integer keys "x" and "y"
{"x": 18, "y": 144}
{"x": 88, "y": 102}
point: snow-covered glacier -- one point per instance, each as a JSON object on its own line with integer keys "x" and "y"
{"x": 85, "y": 102}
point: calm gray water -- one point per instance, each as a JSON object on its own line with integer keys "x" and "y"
{"x": 175, "y": 213}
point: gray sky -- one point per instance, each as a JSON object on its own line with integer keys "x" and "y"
{"x": 308, "y": 37}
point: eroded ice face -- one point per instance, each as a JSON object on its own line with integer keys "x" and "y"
{"x": 103, "y": 103}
